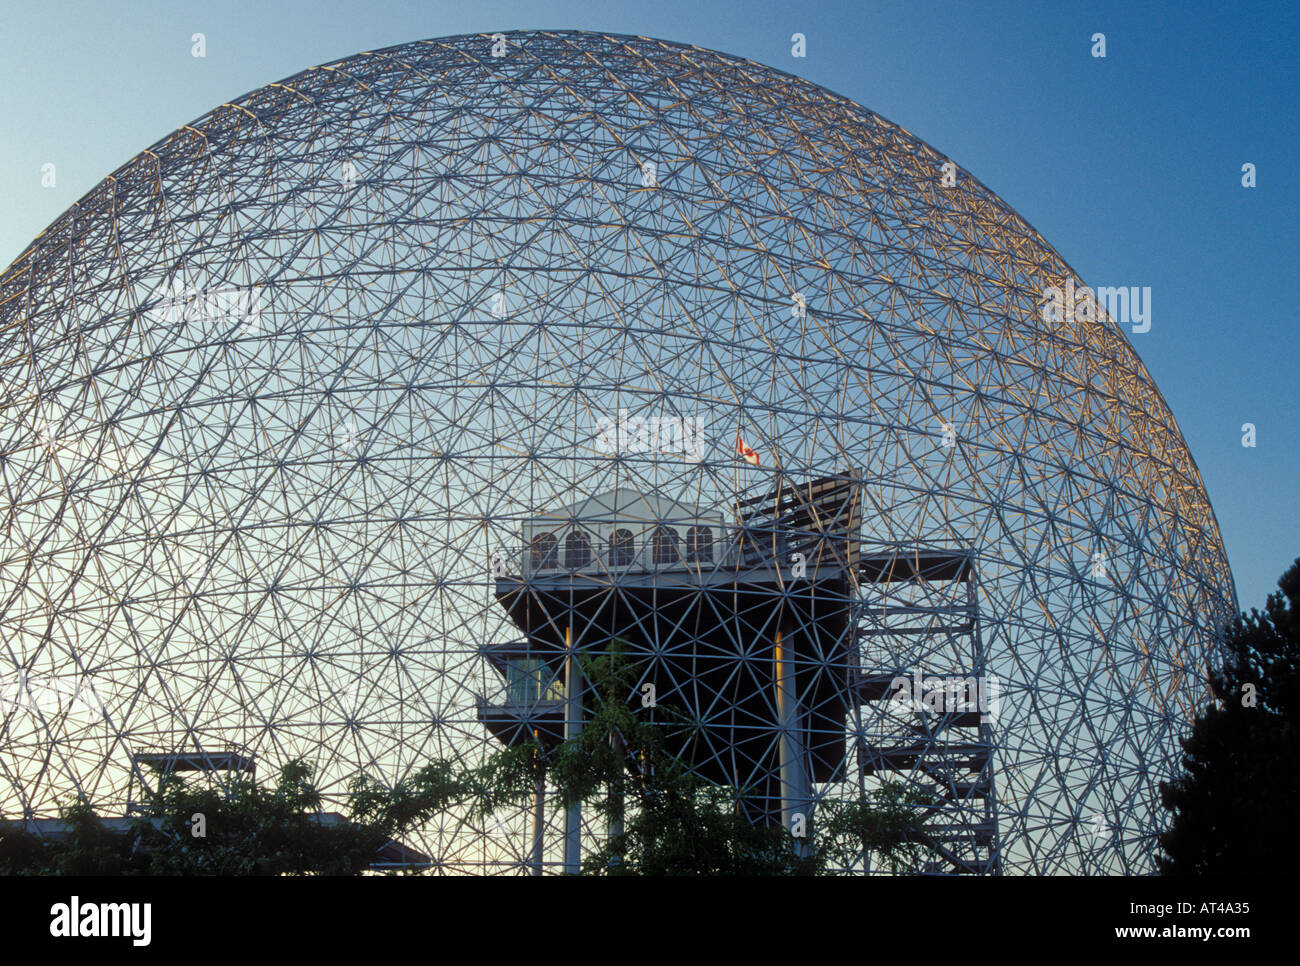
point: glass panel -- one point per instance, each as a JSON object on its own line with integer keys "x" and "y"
{"x": 528, "y": 680}
{"x": 544, "y": 547}
{"x": 577, "y": 550}
{"x": 622, "y": 548}
{"x": 699, "y": 544}
{"x": 664, "y": 545}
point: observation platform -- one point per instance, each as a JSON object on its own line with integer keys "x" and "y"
{"x": 700, "y": 608}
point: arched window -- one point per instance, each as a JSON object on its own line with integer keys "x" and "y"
{"x": 699, "y": 544}
{"x": 577, "y": 550}
{"x": 622, "y": 548}
{"x": 544, "y": 547}
{"x": 663, "y": 546}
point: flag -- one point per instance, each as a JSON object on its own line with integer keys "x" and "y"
{"x": 750, "y": 456}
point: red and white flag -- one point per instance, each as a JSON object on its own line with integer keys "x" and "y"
{"x": 750, "y": 456}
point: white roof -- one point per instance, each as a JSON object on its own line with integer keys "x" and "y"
{"x": 627, "y": 506}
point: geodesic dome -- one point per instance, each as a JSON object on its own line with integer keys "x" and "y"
{"x": 279, "y": 391}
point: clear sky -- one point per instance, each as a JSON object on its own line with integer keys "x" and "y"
{"x": 1130, "y": 166}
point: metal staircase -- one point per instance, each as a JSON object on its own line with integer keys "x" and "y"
{"x": 925, "y": 706}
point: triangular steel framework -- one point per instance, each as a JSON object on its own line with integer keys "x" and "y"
{"x": 276, "y": 393}
{"x": 919, "y": 627}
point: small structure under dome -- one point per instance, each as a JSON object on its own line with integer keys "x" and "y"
{"x": 623, "y": 530}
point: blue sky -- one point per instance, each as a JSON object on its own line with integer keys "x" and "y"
{"x": 1130, "y": 166}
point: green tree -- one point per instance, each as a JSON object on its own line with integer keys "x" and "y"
{"x": 887, "y": 824}
{"x": 250, "y": 830}
{"x": 22, "y": 853}
{"x": 663, "y": 820}
{"x": 87, "y": 847}
{"x": 1233, "y": 807}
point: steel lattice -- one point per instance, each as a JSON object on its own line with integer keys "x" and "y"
{"x": 278, "y": 391}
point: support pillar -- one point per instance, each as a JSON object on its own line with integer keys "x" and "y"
{"x": 539, "y": 815}
{"x": 617, "y": 801}
{"x": 572, "y": 728}
{"x": 796, "y": 791}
